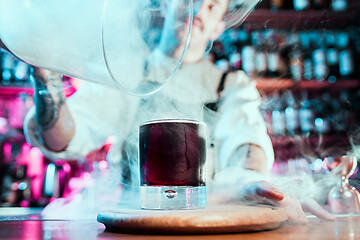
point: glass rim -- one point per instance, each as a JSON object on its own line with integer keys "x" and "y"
{"x": 340, "y": 156}
{"x": 175, "y": 120}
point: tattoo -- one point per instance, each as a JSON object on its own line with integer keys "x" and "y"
{"x": 248, "y": 151}
{"x": 49, "y": 99}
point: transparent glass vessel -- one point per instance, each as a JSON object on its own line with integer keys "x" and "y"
{"x": 134, "y": 45}
{"x": 343, "y": 198}
{"x": 172, "y": 162}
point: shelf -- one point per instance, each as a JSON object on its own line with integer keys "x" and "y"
{"x": 12, "y": 89}
{"x": 314, "y": 140}
{"x": 311, "y": 147}
{"x": 27, "y": 88}
{"x": 302, "y": 20}
{"x": 263, "y": 85}
{"x": 270, "y": 85}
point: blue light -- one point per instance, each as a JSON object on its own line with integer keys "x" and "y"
{"x": 332, "y": 79}
{"x": 22, "y": 186}
{"x": 319, "y": 122}
{"x": 6, "y": 75}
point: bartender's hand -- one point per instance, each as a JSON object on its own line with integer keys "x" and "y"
{"x": 263, "y": 192}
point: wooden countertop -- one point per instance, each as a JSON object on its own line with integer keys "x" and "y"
{"x": 32, "y": 227}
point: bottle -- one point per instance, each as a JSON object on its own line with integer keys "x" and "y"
{"x": 322, "y": 124}
{"x": 248, "y": 64}
{"x": 273, "y": 58}
{"x": 346, "y": 59}
{"x": 301, "y": 5}
{"x": 22, "y": 72}
{"x": 223, "y": 64}
{"x": 306, "y": 114}
{"x": 232, "y": 50}
{"x": 307, "y": 55}
{"x": 320, "y": 64}
{"x": 7, "y": 67}
{"x": 278, "y": 118}
{"x": 235, "y": 60}
{"x": 292, "y": 115}
{"x": 261, "y": 64}
{"x": 296, "y": 64}
{"x": 276, "y": 4}
{"x": 332, "y": 55}
{"x": 266, "y": 112}
{"x": 339, "y": 5}
{"x": 308, "y": 67}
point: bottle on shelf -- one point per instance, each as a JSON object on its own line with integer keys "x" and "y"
{"x": 273, "y": 57}
{"x": 346, "y": 60}
{"x": 332, "y": 55}
{"x": 322, "y": 114}
{"x": 235, "y": 60}
{"x": 307, "y": 56}
{"x": 261, "y": 64}
{"x": 7, "y": 67}
{"x": 278, "y": 118}
{"x": 22, "y": 71}
{"x": 339, "y": 5}
{"x": 320, "y": 64}
{"x": 266, "y": 108}
{"x": 292, "y": 115}
{"x": 301, "y": 5}
{"x": 306, "y": 114}
{"x": 248, "y": 64}
{"x": 296, "y": 62}
{"x": 276, "y": 4}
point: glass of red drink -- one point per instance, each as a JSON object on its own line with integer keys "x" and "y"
{"x": 172, "y": 160}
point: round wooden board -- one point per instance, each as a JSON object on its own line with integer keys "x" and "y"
{"x": 210, "y": 220}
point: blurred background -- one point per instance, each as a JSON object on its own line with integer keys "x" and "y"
{"x": 305, "y": 57}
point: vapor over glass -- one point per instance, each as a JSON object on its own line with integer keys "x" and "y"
{"x": 172, "y": 162}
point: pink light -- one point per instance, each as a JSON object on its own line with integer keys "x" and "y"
{"x": 67, "y": 167}
{"x": 103, "y": 165}
{"x": 24, "y": 203}
{"x": 324, "y": 165}
{"x": 110, "y": 140}
{"x": 7, "y": 151}
{"x": 87, "y": 175}
{"x": 35, "y": 170}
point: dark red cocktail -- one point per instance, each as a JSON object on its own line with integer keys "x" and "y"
{"x": 172, "y": 153}
{"x": 172, "y": 156}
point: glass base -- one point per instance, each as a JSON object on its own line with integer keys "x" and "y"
{"x": 172, "y": 197}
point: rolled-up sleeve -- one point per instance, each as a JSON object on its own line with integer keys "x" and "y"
{"x": 240, "y": 120}
{"x": 98, "y": 111}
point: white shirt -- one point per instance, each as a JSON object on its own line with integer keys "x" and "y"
{"x": 100, "y": 111}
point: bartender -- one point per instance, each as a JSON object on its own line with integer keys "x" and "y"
{"x": 71, "y": 128}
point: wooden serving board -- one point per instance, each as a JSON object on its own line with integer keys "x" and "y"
{"x": 210, "y": 220}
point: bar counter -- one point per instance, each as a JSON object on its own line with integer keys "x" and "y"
{"x": 31, "y": 226}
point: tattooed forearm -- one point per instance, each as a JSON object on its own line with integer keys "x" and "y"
{"x": 49, "y": 99}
